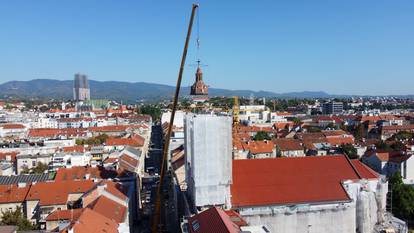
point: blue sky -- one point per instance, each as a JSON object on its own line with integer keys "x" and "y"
{"x": 341, "y": 47}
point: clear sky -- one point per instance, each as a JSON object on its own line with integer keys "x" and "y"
{"x": 341, "y": 47}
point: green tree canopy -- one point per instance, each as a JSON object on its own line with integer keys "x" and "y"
{"x": 16, "y": 218}
{"x": 261, "y": 136}
{"x": 402, "y": 197}
{"x": 350, "y": 151}
{"x": 152, "y": 110}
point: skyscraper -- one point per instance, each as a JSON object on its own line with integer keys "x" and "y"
{"x": 81, "y": 89}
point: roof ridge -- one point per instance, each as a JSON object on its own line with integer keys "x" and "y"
{"x": 353, "y": 167}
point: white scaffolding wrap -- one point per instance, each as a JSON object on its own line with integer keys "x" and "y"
{"x": 208, "y": 149}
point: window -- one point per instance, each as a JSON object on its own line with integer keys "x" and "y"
{"x": 34, "y": 163}
{"x": 195, "y": 225}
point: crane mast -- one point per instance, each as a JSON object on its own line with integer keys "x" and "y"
{"x": 156, "y": 227}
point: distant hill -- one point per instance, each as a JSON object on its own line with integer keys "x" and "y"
{"x": 127, "y": 91}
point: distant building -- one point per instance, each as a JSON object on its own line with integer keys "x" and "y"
{"x": 81, "y": 89}
{"x": 332, "y": 108}
{"x": 199, "y": 90}
{"x": 208, "y": 156}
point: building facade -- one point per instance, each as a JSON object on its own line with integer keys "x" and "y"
{"x": 81, "y": 89}
{"x": 208, "y": 157}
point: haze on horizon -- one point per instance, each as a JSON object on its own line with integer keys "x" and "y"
{"x": 340, "y": 47}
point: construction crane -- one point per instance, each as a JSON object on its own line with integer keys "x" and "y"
{"x": 156, "y": 227}
{"x": 236, "y": 111}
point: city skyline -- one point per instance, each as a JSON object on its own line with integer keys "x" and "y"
{"x": 348, "y": 47}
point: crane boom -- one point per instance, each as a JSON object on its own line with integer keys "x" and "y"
{"x": 157, "y": 212}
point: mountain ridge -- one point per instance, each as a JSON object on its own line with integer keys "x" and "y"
{"x": 129, "y": 91}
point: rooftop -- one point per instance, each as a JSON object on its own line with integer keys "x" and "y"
{"x": 282, "y": 181}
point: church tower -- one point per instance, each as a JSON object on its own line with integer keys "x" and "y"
{"x": 199, "y": 87}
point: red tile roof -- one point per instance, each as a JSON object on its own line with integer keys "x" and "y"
{"x": 13, "y": 126}
{"x": 56, "y": 192}
{"x": 213, "y": 220}
{"x": 71, "y": 215}
{"x": 261, "y": 182}
{"x": 135, "y": 142}
{"x": 8, "y": 155}
{"x": 110, "y": 209}
{"x": 77, "y": 148}
{"x": 364, "y": 170}
{"x": 46, "y": 132}
{"x": 398, "y": 127}
{"x": 127, "y": 163}
{"x": 260, "y": 147}
{"x": 110, "y": 128}
{"x": 286, "y": 144}
{"x": 81, "y": 173}
{"x": 13, "y": 194}
{"x": 92, "y": 222}
{"x": 336, "y": 141}
{"x": 116, "y": 189}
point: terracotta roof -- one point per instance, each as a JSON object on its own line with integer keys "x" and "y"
{"x": 13, "y": 194}
{"x": 394, "y": 156}
{"x": 51, "y": 132}
{"x": 370, "y": 118}
{"x": 328, "y": 118}
{"x": 77, "y": 148}
{"x": 110, "y": 160}
{"x": 364, "y": 170}
{"x": 282, "y": 125}
{"x": 46, "y": 132}
{"x": 398, "y": 127}
{"x": 282, "y": 181}
{"x": 135, "y": 142}
{"x": 116, "y": 189}
{"x": 236, "y": 218}
{"x": 92, "y": 222}
{"x": 213, "y": 220}
{"x": 177, "y": 159}
{"x": 11, "y": 155}
{"x": 128, "y": 163}
{"x": 110, "y": 128}
{"x": 260, "y": 147}
{"x": 330, "y": 133}
{"x": 56, "y": 192}
{"x": 336, "y": 141}
{"x": 81, "y": 173}
{"x": 109, "y": 209}
{"x": 13, "y": 126}
{"x": 286, "y": 144}
{"x": 71, "y": 215}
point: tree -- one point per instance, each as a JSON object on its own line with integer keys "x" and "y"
{"x": 350, "y": 151}
{"x": 152, "y": 110}
{"x": 402, "y": 197}
{"x": 16, "y": 218}
{"x": 40, "y": 168}
{"x": 314, "y": 130}
{"x": 383, "y": 146}
{"x": 398, "y": 146}
{"x": 261, "y": 136}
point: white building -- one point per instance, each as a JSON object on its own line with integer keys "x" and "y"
{"x": 178, "y": 118}
{"x": 208, "y": 156}
{"x": 41, "y": 123}
{"x": 31, "y": 161}
{"x": 387, "y": 164}
{"x": 310, "y": 194}
{"x": 68, "y": 160}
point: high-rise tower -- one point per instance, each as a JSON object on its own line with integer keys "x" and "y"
{"x": 81, "y": 89}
